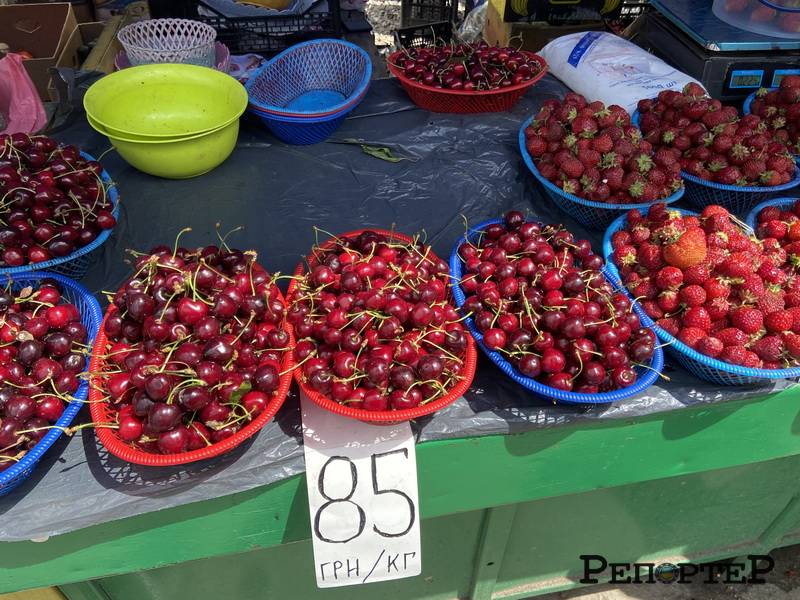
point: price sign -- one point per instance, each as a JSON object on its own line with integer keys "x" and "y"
{"x": 362, "y": 496}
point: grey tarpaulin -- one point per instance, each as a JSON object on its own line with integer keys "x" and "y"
{"x": 467, "y": 166}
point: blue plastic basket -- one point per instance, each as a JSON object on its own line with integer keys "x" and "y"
{"x": 73, "y": 265}
{"x": 596, "y": 215}
{"x": 752, "y": 216}
{"x": 737, "y": 199}
{"x": 646, "y": 376}
{"x": 746, "y": 110}
{"x": 700, "y": 365}
{"x": 304, "y": 93}
{"x": 91, "y": 317}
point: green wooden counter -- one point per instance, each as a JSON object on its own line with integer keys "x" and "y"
{"x": 503, "y": 516}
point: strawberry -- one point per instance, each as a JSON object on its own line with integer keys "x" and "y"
{"x": 739, "y": 355}
{"x": 770, "y": 302}
{"x": 716, "y": 288}
{"x": 694, "y": 90}
{"x": 640, "y": 233}
{"x": 792, "y": 344}
{"x": 728, "y": 176}
{"x": 589, "y": 157}
{"x": 710, "y": 346}
{"x": 692, "y": 295}
{"x": 625, "y": 255}
{"x": 669, "y": 278}
{"x": 650, "y": 256}
{"x": 688, "y": 250}
{"x": 603, "y": 143}
{"x": 572, "y": 168}
{"x": 778, "y": 321}
{"x": 669, "y": 324}
{"x": 584, "y": 126}
{"x": 749, "y": 320}
{"x": 737, "y": 264}
{"x": 769, "y": 348}
{"x": 536, "y": 146}
{"x": 697, "y": 316}
{"x": 691, "y": 336}
{"x": 718, "y": 308}
{"x": 668, "y": 301}
{"x": 731, "y": 336}
{"x": 696, "y": 274}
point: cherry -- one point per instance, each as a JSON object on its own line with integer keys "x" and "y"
{"x": 623, "y": 376}
{"x": 57, "y": 316}
{"x": 130, "y": 429}
{"x": 553, "y": 361}
{"x": 194, "y": 397}
{"x": 530, "y": 365}
{"x": 174, "y": 441}
{"x": 494, "y": 338}
{"x": 50, "y": 408}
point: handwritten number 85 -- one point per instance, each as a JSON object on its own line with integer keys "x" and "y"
{"x": 347, "y": 498}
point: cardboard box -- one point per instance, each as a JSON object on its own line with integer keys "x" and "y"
{"x": 42, "y": 30}
{"x": 70, "y": 56}
{"x": 83, "y": 9}
{"x": 532, "y": 36}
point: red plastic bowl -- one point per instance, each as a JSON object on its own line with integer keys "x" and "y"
{"x": 387, "y": 417}
{"x": 459, "y": 101}
{"x": 102, "y": 413}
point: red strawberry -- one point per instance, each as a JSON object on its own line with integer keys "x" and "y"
{"x": 650, "y": 256}
{"x": 536, "y": 146}
{"x": 739, "y": 355}
{"x": 688, "y": 250}
{"x": 718, "y": 308}
{"x": 572, "y": 167}
{"x": 669, "y": 324}
{"x": 728, "y": 176}
{"x": 716, "y": 288}
{"x": 710, "y": 346}
{"x": 697, "y": 316}
{"x": 732, "y": 336}
{"x": 792, "y": 343}
{"x": 691, "y": 336}
{"x": 769, "y": 348}
{"x": 603, "y": 143}
{"x": 668, "y": 301}
{"x": 696, "y": 274}
{"x": 778, "y": 321}
{"x": 749, "y": 320}
{"x": 692, "y": 295}
{"x": 669, "y": 278}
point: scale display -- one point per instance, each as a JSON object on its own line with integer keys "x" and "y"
{"x": 780, "y": 74}
{"x": 746, "y": 79}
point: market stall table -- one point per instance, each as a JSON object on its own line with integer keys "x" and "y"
{"x": 512, "y": 489}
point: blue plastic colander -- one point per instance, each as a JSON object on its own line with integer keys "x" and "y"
{"x": 91, "y": 317}
{"x": 782, "y": 203}
{"x": 737, "y": 199}
{"x": 700, "y": 365}
{"x": 646, "y": 375}
{"x": 595, "y": 215}
{"x": 74, "y": 265}
{"x": 304, "y": 93}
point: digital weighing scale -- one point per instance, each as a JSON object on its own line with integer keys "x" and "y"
{"x": 730, "y": 62}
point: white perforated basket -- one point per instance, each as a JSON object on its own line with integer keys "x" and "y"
{"x": 169, "y": 41}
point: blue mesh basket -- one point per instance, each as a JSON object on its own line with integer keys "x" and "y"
{"x": 746, "y": 109}
{"x": 74, "y": 265}
{"x": 737, "y": 199}
{"x": 304, "y": 93}
{"x": 646, "y": 376}
{"x": 782, "y": 203}
{"x": 320, "y": 76}
{"x": 91, "y": 317}
{"x": 595, "y": 215}
{"x": 700, "y": 365}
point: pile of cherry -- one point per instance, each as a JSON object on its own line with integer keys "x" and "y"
{"x": 468, "y": 67}
{"x": 593, "y": 152}
{"x": 710, "y": 140}
{"x": 376, "y": 329}
{"x": 52, "y": 200}
{"x": 539, "y": 298}
{"x": 780, "y": 110}
{"x": 721, "y": 292}
{"x": 42, "y": 351}
{"x": 195, "y": 348}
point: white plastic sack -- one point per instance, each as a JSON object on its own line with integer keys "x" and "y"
{"x": 603, "y": 66}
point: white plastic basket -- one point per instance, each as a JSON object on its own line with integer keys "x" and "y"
{"x": 169, "y": 41}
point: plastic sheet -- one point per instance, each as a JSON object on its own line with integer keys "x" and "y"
{"x": 466, "y": 166}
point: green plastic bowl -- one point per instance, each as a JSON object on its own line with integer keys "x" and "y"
{"x": 165, "y": 101}
{"x": 176, "y": 159}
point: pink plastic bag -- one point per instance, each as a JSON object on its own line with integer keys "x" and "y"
{"x": 20, "y": 106}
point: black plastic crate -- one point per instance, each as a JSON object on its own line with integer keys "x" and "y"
{"x": 418, "y": 12}
{"x": 424, "y": 35}
{"x": 269, "y": 35}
